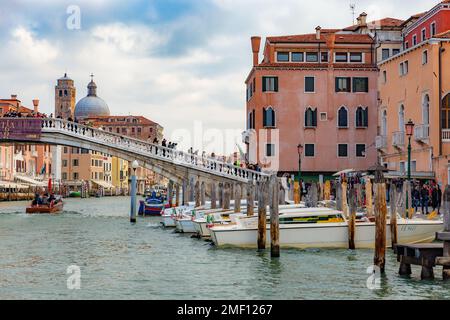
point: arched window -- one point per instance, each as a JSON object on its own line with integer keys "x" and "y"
{"x": 60, "y": 93}
{"x": 342, "y": 117}
{"x": 446, "y": 112}
{"x": 310, "y": 117}
{"x": 426, "y": 110}
{"x": 268, "y": 117}
{"x": 401, "y": 118}
{"x": 251, "y": 120}
{"x": 65, "y": 93}
{"x": 384, "y": 123}
{"x": 362, "y": 117}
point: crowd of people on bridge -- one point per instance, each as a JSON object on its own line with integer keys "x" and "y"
{"x": 16, "y": 114}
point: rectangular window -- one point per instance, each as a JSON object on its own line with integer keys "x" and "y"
{"x": 65, "y": 150}
{"x": 424, "y": 34}
{"x": 324, "y": 56}
{"x": 64, "y": 176}
{"x": 75, "y": 176}
{"x": 355, "y": 57}
{"x": 309, "y": 84}
{"x": 360, "y": 150}
{"x": 75, "y": 162}
{"x": 425, "y": 57}
{"x": 384, "y": 54}
{"x": 402, "y": 166}
{"x": 342, "y": 150}
{"x": 270, "y": 84}
{"x": 414, "y": 40}
{"x": 64, "y": 163}
{"x": 270, "y": 150}
{"x": 384, "y": 76}
{"x": 406, "y": 45}
{"x": 341, "y": 57}
{"x": 84, "y": 151}
{"x": 360, "y": 84}
{"x": 395, "y": 51}
{"x": 309, "y": 150}
{"x": 342, "y": 84}
{"x": 117, "y": 130}
{"x": 297, "y": 56}
{"x": 312, "y": 57}
{"x": 433, "y": 29}
{"x": 283, "y": 56}
{"x": 323, "y": 116}
{"x": 405, "y": 67}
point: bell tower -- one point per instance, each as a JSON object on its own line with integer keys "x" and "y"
{"x": 65, "y": 94}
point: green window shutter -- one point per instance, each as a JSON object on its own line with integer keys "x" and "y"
{"x": 264, "y": 84}
{"x": 276, "y": 84}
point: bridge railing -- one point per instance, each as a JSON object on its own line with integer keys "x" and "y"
{"x": 156, "y": 151}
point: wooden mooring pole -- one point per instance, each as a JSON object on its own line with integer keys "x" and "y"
{"x": 262, "y": 212}
{"x": 237, "y": 198}
{"x": 352, "y": 217}
{"x": 213, "y": 195}
{"x": 445, "y": 236}
{"x": 380, "y": 226}
{"x": 393, "y": 219}
{"x": 274, "y": 218}
{"x": 250, "y": 199}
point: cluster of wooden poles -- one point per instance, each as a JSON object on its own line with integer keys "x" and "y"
{"x": 270, "y": 193}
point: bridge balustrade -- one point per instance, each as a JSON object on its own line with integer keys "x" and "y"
{"x": 152, "y": 150}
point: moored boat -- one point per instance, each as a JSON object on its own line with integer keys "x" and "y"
{"x": 322, "y": 230}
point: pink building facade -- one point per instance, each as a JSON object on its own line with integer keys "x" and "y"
{"x": 318, "y": 90}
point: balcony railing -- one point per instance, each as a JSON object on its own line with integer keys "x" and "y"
{"x": 446, "y": 135}
{"x": 422, "y": 132}
{"x": 398, "y": 139}
{"x": 381, "y": 142}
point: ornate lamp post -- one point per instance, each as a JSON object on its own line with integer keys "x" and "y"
{"x": 409, "y": 132}
{"x": 134, "y": 165}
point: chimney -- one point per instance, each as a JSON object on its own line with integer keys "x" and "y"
{"x": 36, "y": 105}
{"x": 256, "y": 43}
{"x": 318, "y": 28}
{"x": 363, "y": 19}
{"x": 14, "y": 97}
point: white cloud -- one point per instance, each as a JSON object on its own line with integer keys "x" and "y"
{"x": 30, "y": 49}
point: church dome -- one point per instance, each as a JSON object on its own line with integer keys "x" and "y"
{"x": 91, "y": 105}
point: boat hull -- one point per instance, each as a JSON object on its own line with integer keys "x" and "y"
{"x": 333, "y": 235}
{"x": 42, "y": 209}
{"x": 168, "y": 221}
{"x": 185, "y": 225}
{"x": 201, "y": 229}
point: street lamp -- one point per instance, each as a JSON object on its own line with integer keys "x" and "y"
{"x": 409, "y": 132}
{"x": 134, "y": 165}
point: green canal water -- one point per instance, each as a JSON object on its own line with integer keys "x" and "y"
{"x": 144, "y": 261}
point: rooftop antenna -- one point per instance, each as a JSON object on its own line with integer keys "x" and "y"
{"x": 352, "y": 9}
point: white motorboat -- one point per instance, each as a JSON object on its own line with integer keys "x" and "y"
{"x": 322, "y": 230}
{"x": 226, "y": 217}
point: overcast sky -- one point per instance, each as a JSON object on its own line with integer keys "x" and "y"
{"x": 180, "y": 63}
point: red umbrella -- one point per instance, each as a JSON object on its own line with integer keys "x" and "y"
{"x": 50, "y": 185}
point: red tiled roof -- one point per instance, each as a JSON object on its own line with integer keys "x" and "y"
{"x": 104, "y": 120}
{"x": 316, "y": 65}
{"x": 443, "y": 35}
{"x": 387, "y": 22}
{"x": 415, "y": 16}
{"x": 311, "y": 38}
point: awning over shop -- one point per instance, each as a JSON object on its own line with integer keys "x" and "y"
{"x": 31, "y": 181}
{"x": 103, "y": 184}
{"x": 9, "y": 184}
{"x": 419, "y": 175}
